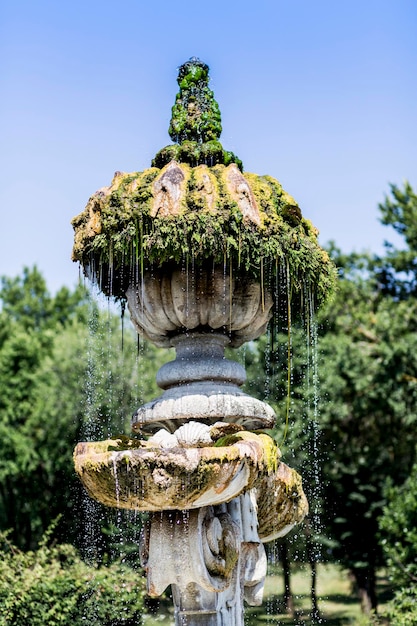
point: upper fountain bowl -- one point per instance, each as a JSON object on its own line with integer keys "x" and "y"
{"x": 170, "y": 301}
{"x": 198, "y": 217}
{"x": 196, "y": 208}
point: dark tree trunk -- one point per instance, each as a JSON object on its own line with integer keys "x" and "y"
{"x": 286, "y": 569}
{"x": 365, "y": 580}
{"x": 311, "y": 555}
{"x": 315, "y": 614}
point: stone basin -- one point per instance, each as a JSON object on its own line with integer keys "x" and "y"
{"x": 156, "y": 478}
{"x": 164, "y": 302}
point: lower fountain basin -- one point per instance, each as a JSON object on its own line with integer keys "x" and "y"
{"x": 155, "y": 478}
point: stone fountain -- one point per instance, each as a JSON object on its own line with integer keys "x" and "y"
{"x": 201, "y": 252}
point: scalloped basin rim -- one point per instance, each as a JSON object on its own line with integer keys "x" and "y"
{"x": 181, "y": 456}
{"x": 155, "y": 478}
{"x": 217, "y": 475}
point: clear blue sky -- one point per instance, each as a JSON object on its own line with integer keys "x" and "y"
{"x": 319, "y": 94}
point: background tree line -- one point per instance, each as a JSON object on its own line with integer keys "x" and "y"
{"x": 352, "y": 412}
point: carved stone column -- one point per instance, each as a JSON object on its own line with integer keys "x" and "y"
{"x": 213, "y": 559}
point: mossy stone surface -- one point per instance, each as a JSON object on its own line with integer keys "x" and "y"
{"x": 198, "y": 216}
{"x": 195, "y": 125}
{"x": 138, "y": 475}
{"x": 196, "y": 208}
{"x": 134, "y": 474}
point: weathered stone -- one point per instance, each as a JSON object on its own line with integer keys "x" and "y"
{"x": 282, "y": 503}
{"x": 157, "y": 478}
{"x": 204, "y": 402}
{"x": 201, "y": 216}
{"x": 168, "y": 189}
{"x": 241, "y": 192}
{"x": 166, "y": 303}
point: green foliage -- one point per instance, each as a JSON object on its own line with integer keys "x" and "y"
{"x": 62, "y": 379}
{"x": 25, "y": 300}
{"x": 398, "y": 272}
{"x": 368, "y": 414}
{"x": 52, "y": 585}
{"x": 401, "y": 610}
{"x": 398, "y": 526}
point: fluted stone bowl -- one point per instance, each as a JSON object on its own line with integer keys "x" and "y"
{"x": 164, "y": 303}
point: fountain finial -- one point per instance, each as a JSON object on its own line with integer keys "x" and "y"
{"x": 195, "y": 114}
{"x": 195, "y": 125}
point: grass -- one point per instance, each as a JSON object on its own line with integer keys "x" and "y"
{"x": 338, "y": 604}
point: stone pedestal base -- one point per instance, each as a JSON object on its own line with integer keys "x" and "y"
{"x": 212, "y": 558}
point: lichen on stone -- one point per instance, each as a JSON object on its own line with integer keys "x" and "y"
{"x": 121, "y": 474}
{"x": 198, "y": 214}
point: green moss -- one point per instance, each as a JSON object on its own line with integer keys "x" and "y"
{"x": 122, "y": 442}
{"x": 294, "y": 488}
{"x": 119, "y": 234}
{"x": 195, "y": 114}
{"x": 195, "y": 153}
{"x": 270, "y": 452}
{"x": 195, "y": 125}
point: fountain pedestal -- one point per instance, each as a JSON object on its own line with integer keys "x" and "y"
{"x": 213, "y": 558}
{"x": 202, "y": 385}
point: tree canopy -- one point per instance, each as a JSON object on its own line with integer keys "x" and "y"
{"x": 63, "y": 377}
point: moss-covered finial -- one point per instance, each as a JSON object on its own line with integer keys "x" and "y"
{"x": 196, "y": 122}
{"x": 195, "y": 114}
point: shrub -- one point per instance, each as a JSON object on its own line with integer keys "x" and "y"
{"x": 402, "y": 610}
{"x": 398, "y": 526}
{"x": 52, "y": 586}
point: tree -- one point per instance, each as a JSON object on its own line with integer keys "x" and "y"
{"x": 29, "y": 321}
{"x": 357, "y": 428}
{"x": 368, "y": 415}
{"x": 370, "y": 381}
{"x": 398, "y": 270}
{"x": 398, "y": 526}
{"x": 63, "y": 377}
